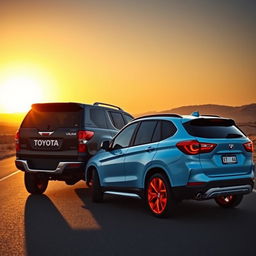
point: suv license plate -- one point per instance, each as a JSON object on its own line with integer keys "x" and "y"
{"x": 229, "y": 160}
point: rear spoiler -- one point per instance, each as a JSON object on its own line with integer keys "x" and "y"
{"x": 57, "y": 107}
{"x": 212, "y": 122}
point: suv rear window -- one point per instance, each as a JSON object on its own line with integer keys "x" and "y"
{"x": 213, "y": 128}
{"x": 45, "y": 120}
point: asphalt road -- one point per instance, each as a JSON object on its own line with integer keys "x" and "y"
{"x": 65, "y": 222}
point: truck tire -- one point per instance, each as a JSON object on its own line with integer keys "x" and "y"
{"x": 35, "y": 183}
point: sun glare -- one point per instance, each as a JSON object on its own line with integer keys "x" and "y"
{"x": 23, "y": 85}
{"x": 19, "y": 92}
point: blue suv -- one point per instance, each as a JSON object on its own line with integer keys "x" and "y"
{"x": 167, "y": 158}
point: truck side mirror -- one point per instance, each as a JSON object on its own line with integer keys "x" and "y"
{"x": 105, "y": 145}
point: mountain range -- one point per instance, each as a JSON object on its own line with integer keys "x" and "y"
{"x": 241, "y": 114}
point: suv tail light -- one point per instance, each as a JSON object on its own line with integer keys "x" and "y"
{"x": 248, "y": 146}
{"x": 17, "y": 141}
{"x": 83, "y": 137}
{"x": 193, "y": 147}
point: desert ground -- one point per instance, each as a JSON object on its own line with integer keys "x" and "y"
{"x": 7, "y": 141}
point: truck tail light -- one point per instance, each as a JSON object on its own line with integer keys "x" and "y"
{"x": 193, "y": 147}
{"x": 248, "y": 146}
{"x": 17, "y": 141}
{"x": 83, "y": 137}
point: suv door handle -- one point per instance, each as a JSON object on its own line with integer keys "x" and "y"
{"x": 149, "y": 149}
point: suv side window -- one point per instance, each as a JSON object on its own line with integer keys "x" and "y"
{"x": 168, "y": 129}
{"x": 122, "y": 140}
{"x": 145, "y": 132}
{"x": 157, "y": 133}
{"x": 98, "y": 117}
{"x": 117, "y": 119}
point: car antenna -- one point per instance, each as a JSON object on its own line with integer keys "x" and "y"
{"x": 196, "y": 114}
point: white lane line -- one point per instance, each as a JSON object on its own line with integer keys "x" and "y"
{"x": 8, "y": 176}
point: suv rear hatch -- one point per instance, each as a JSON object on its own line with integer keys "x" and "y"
{"x": 48, "y": 134}
{"x": 229, "y": 156}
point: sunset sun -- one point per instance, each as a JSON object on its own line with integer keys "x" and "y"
{"x": 18, "y": 92}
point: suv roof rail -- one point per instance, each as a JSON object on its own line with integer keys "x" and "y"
{"x": 159, "y": 115}
{"x": 211, "y": 115}
{"x": 106, "y": 104}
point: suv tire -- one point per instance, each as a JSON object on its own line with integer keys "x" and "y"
{"x": 97, "y": 193}
{"x": 35, "y": 183}
{"x": 229, "y": 201}
{"x": 159, "y": 197}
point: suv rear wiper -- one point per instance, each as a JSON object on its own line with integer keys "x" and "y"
{"x": 233, "y": 135}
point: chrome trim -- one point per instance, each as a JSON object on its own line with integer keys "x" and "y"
{"x": 224, "y": 191}
{"x": 121, "y": 194}
{"x": 48, "y": 133}
{"x": 58, "y": 170}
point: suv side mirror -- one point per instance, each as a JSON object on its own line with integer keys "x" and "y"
{"x": 105, "y": 145}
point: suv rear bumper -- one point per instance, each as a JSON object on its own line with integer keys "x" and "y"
{"x": 224, "y": 191}
{"x": 62, "y": 166}
{"x": 214, "y": 189}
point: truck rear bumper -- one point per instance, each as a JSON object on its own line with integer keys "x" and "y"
{"x": 23, "y": 166}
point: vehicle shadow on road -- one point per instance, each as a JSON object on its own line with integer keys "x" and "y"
{"x": 48, "y": 233}
{"x": 126, "y": 228}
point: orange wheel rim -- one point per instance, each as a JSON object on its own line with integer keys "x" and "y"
{"x": 225, "y": 199}
{"x": 157, "y": 195}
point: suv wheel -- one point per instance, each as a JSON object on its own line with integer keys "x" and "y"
{"x": 35, "y": 183}
{"x": 229, "y": 201}
{"x": 158, "y": 196}
{"x": 97, "y": 193}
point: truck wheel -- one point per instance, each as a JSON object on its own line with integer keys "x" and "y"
{"x": 35, "y": 183}
{"x": 229, "y": 201}
{"x": 97, "y": 193}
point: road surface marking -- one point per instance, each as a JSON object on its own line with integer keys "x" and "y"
{"x": 8, "y": 176}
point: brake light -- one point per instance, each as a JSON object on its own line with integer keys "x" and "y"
{"x": 83, "y": 137}
{"x": 249, "y": 146}
{"x": 206, "y": 147}
{"x": 193, "y": 147}
{"x": 17, "y": 141}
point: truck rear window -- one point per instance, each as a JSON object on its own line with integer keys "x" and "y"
{"x": 213, "y": 128}
{"x": 45, "y": 120}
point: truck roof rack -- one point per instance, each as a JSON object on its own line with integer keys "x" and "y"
{"x": 106, "y": 104}
{"x": 159, "y": 115}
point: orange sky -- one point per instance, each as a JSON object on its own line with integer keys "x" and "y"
{"x": 140, "y": 55}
